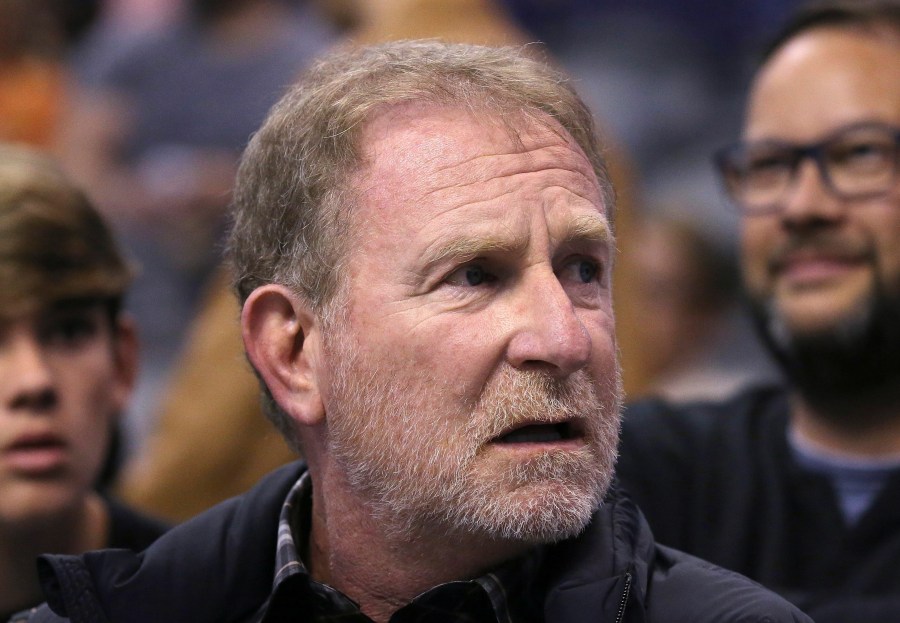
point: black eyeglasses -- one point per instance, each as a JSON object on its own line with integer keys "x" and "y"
{"x": 856, "y": 162}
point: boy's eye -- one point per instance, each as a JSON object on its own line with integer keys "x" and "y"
{"x": 70, "y": 330}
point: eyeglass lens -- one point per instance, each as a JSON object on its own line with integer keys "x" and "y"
{"x": 857, "y": 162}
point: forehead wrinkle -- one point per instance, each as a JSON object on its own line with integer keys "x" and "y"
{"x": 487, "y": 167}
{"x": 495, "y": 188}
{"x": 590, "y": 227}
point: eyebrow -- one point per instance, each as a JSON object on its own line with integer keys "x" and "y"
{"x": 582, "y": 230}
{"x": 462, "y": 247}
{"x": 588, "y": 229}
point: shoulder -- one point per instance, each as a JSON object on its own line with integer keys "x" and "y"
{"x": 671, "y": 428}
{"x": 130, "y": 529}
{"x": 695, "y": 417}
{"x": 227, "y": 553}
{"x": 40, "y": 614}
{"x": 688, "y": 589}
{"x": 677, "y": 459}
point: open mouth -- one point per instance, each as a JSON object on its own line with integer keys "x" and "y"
{"x": 540, "y": 433}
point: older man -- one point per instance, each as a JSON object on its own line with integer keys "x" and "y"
{"x": 798, "y": 486}
{"x": 422, "y": 242}
{"x": 67, "y": 365}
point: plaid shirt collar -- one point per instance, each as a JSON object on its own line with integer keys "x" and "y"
{"x": 504, "y": 595}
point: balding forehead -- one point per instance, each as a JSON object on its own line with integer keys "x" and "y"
{"x": 821, "y": 80}
{"x": 401, "y": 144}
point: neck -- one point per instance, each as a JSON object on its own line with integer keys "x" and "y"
{"x": 378, "y": 569}
{"x": 70, "y": 531}
{"x": 864, "y": 425}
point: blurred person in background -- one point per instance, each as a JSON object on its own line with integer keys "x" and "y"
{"x": 685, "y": 290}
{"x": 68, "y": 360}
{"x": 797, "y": 486}
{"x": 156, "y": 126}
{"x": 32, "y": 72}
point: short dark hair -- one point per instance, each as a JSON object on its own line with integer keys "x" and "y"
{"x": 871, "y": 16}
{"x": 54, "y": 245}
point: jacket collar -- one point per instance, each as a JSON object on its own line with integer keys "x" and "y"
{"x": 605, "y": 569}
{"x": 218, "y": 567}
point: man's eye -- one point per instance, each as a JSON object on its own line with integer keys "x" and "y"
{"x": 472, "y": 275}
{"x": 584, "y": 270}
{"x": 862, "y": 155}
{"x": 588, "y": 271}
{"x": 763, "y": 168}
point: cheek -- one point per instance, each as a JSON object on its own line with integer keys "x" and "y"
{"x": 758, "y": 236}
{"x": 887, "y": 235}
{"x": 455, "y": 350}
{"x": 601, "y": 328}
{"x": 90, "y": 403}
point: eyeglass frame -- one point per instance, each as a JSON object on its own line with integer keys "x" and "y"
{"x": 814, "y": 151}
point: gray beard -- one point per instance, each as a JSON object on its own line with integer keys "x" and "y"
{"x": 415, "y": 488}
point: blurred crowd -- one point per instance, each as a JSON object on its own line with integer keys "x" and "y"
{"x": 754, "y": 424}
{"x": 148, "y": 103}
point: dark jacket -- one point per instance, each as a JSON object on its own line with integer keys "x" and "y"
{"x": 218, "y": 568}
{"x": 127, "y": 529}
{"x": 130, "y": 529}
{"x": 718, "y": 480}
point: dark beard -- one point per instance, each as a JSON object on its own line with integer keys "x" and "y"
{"x": 842, "y": 371}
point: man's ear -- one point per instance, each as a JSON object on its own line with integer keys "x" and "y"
{"x": 282, "y": 340}
{"x": 125, "y": 355}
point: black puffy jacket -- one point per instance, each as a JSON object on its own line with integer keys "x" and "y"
{"x": 218, "y": 568}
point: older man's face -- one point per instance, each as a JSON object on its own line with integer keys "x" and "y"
{"x": 475, "y": 384}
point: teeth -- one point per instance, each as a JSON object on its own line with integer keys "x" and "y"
{"x": 533, "y": 434}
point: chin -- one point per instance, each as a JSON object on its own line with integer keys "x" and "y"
{"x": 30, "y": 505}
{"x": 790, "y": 324}
{"x": 815, "y": 319}
{"x": 832, "y": 358}
{"x": 539, "y": 507}
{"x": 553, "y": 514}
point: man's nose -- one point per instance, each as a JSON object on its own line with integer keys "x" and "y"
{"x": 547, "y": 332}
{"x": 810, "y": 200}
{"x": 26, "y": 378}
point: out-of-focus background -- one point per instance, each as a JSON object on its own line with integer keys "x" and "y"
{"x": 148, "y": 104}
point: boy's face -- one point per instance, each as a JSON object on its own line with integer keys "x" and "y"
{"x": 65, "y": 375}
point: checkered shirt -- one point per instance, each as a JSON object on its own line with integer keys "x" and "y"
{"x": 501, "y": 596}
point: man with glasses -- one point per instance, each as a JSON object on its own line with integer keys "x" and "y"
{"x": 799, "y": 487}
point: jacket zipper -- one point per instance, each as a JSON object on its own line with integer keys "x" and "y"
{"x": 620, "y": 615}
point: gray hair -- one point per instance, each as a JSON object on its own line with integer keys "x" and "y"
{"x": 293, "y": 190}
